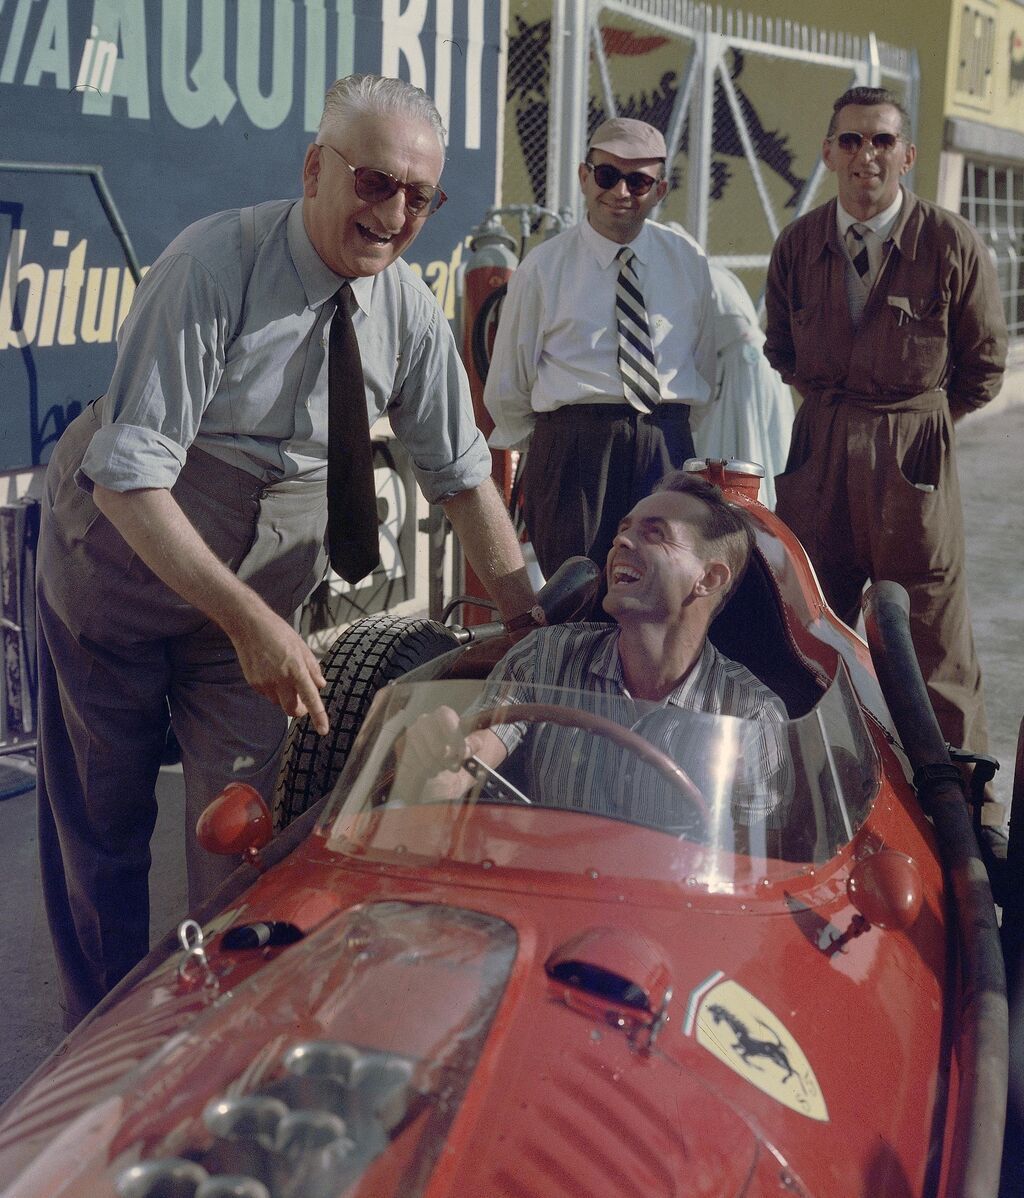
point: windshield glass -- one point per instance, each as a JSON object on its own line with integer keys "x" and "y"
{"x": 562, "y": 777}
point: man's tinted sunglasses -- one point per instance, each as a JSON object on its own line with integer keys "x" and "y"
{"x": 373, "y": 187}
{"x": 607, "y": 176}
{"x": 850, "y": 142}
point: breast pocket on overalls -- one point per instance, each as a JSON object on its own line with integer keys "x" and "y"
{"x": 915, "y": 342}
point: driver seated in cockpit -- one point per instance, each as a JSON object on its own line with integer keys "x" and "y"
{"x": 676, "y": 559}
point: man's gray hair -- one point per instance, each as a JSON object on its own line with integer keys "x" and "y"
{"x": 378, "y": 95}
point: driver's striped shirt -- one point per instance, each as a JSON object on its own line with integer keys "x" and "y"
{"x": 745, "y": 765}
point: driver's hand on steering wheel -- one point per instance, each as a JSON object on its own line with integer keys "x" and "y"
{"x": 432, "y": 755}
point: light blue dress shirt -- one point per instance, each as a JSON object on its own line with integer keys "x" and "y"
{"x": 239, "y": 365}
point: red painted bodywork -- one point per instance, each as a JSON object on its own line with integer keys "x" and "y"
{"x": 562, "y": 1094}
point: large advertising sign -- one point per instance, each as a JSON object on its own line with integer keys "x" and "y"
{"x": 125, "y": 120}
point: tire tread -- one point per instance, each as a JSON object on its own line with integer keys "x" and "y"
{"x": 365, "y": 657}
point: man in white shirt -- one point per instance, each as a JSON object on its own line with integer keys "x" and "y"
{"x": 596, "y": 360}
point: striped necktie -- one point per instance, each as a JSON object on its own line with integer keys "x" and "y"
{"x": 858, "y": 250}
{"x": 637, "y": 364}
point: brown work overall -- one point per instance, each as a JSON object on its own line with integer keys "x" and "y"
{"x": 871, "y": 486}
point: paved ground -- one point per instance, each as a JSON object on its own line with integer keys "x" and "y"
{"x": 29, "y": 1016}
{"x": 992, "y": 474}
{"x": 991, "y": 453}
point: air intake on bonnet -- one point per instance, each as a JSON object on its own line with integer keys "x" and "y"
{"x": 312, "y": 1131}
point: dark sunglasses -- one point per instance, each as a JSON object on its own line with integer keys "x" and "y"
{"x": 607, "y": 176}
{"x": 850, "y": 142}
{"x": 374, "y": 186}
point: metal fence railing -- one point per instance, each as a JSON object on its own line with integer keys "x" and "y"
{"x": 707, "y": 77}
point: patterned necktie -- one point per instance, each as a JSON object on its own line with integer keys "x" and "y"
{"x": 858, "y": 251}
{"x": 637, "y": 364}
{"x": 352, "y": 539}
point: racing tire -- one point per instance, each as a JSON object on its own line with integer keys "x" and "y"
{"x": 367, "y": 656}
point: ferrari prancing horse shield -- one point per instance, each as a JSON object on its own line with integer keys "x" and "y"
{"x": 741, "y": 1031}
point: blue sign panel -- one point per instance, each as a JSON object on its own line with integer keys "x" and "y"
{"x": 125, "y": 120}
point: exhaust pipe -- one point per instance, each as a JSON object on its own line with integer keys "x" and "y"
{"x": 983, "y": 1041}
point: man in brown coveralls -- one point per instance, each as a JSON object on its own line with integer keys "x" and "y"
{"x": 884, "y": 312}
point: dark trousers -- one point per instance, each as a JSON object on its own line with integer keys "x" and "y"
{"x": 873, "y": 493}
{"x": 119, "y": 656}
{"x": 587, "y": 466}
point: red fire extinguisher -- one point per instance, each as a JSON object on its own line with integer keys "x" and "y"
{"x": 492, "y": 259}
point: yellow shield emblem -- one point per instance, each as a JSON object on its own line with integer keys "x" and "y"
{"x": 740, "y": 1030}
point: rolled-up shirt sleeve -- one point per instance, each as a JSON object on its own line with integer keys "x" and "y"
{"x": 128, "y": 457}
{"x": 432, "y": 415}
{"x": 171, "y": 351}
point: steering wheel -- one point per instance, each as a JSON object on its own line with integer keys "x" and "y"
{"x": 573, "y": 717}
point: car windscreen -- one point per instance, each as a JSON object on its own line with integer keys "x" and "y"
{"x": 716, "y": 786}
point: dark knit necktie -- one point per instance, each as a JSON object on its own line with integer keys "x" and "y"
{"x": 352, "y": 539}
{"x": 858, "y": 250}
{"x": 637, "y": 364}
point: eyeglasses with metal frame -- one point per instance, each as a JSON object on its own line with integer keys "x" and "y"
{"x": 607, "y": 176}
{"x": 375, "y": 186}
{"x": 850, "y": 141}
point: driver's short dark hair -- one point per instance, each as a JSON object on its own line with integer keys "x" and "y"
{"x": 723, "y": 528}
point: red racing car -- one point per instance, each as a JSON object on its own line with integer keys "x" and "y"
{"x": 762, "y": 986}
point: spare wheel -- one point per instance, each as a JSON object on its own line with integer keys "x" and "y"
{"x": 367, "y": 655}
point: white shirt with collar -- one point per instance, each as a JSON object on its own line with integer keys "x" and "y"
{"x": 557, "y": 341}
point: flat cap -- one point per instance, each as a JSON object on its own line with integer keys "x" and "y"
{"x": 627, "y": 138}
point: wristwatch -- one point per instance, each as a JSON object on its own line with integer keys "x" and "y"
{"x": 532, "y": 618}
